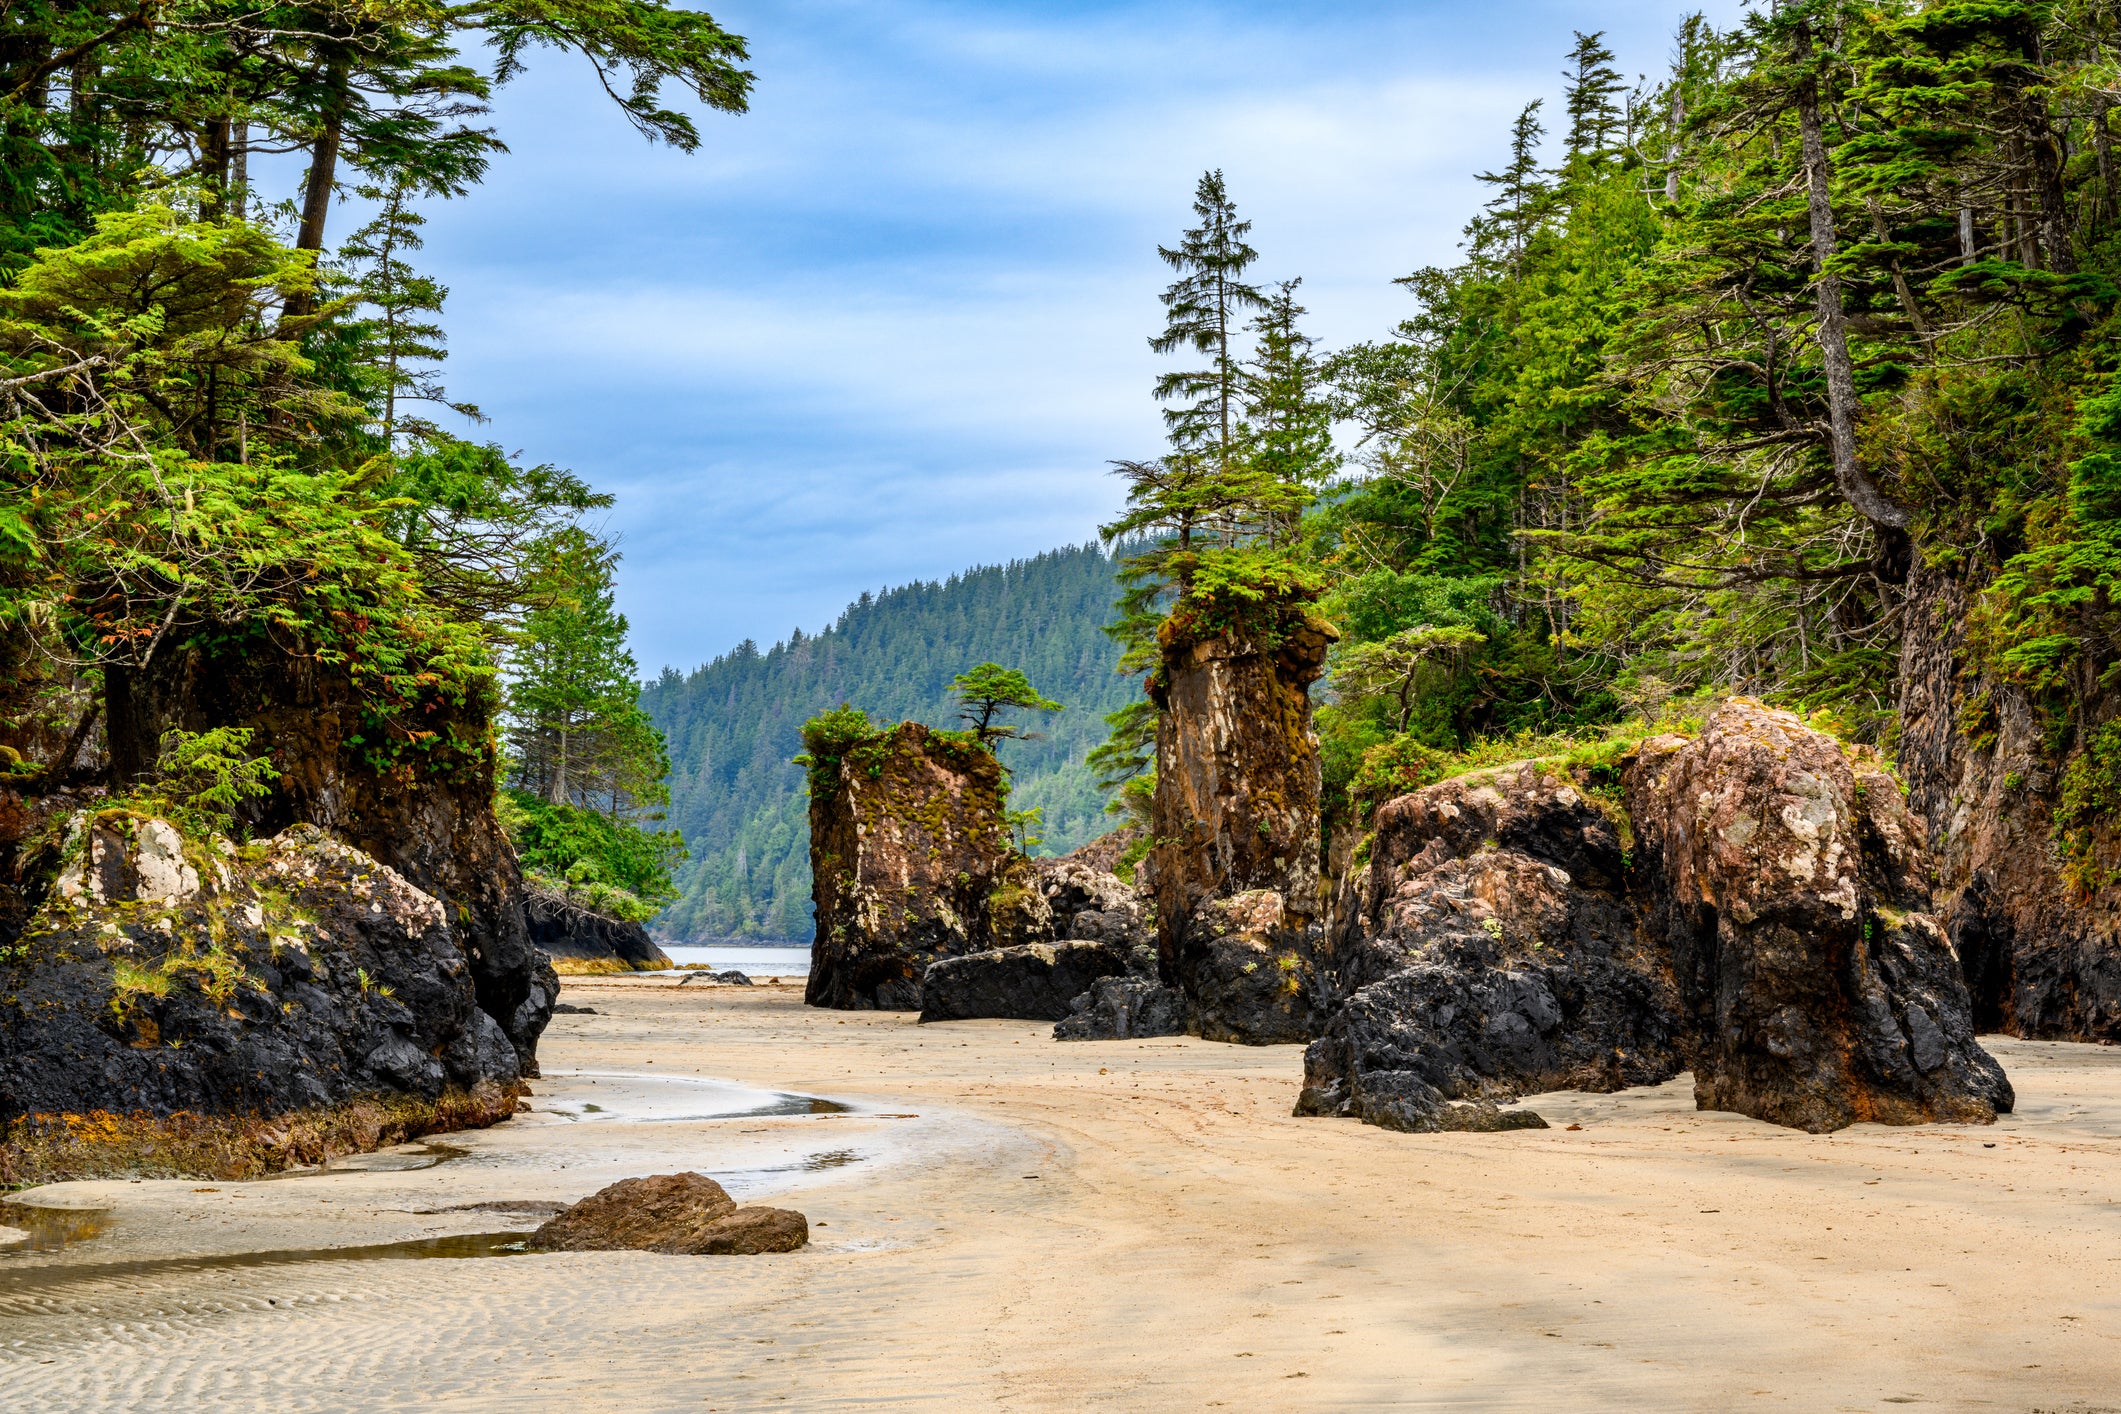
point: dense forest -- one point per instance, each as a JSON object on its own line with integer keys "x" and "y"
{"x": 1791, "y": 372}
{"x": 734, "y": 724}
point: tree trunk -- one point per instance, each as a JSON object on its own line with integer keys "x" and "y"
{"x": 1856, "y": 487}
{"x": 323, "y": 177}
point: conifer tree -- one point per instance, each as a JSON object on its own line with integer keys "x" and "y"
{"x": 405, "y": 342}
{"x": 1523, "y": 197}
{"x": 1288, "y": 423}
{"x": 1203, "y": 310}
{"x": 1592, "y": 82}
{"x": 576, "y": 732}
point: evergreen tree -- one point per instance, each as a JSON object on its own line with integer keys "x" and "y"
{"x": 1592, "y": 82}
{"x": 1523, "y": 197}
{"x": 990, "y": 689}
{"x": 1203, "y": 310}
{"x": 576, "y": 732}
{"x": 405, "y": 340}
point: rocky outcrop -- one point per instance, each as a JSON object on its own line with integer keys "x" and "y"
{"x": 164, "y": 975}
{"x": 1788, "y": 885}
{"x": 1093, "y": 905}
{"x": 1087, "y": 925}
{"x": 683, "y": 1214}
{"x": 1121, "y": 1009}
{"x": 567, "y": 932}
{"x": 910, "y": 863}
{"x": 1489, "y": 951}
{"x": 1104, "y": 853}
{"x": 1236, "y": 817}
{"x": 427, "y": 812}
{"x": 2040, "y": 941}
{"x": 1032, "y": 982}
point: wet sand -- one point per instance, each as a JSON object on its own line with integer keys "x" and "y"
{"x": 1005, "y": 1222}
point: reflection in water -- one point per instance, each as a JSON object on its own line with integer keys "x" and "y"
{"x": 406, "y": 1158}
{"x": 50, "y": 1229}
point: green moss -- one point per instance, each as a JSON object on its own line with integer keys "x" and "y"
{"x": 2090, "y": 799}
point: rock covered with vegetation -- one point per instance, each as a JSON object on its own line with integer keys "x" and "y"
{"x": 2024, "y": 838}
{"x": 579, "y": 939}
{"x": 1086, "y": 926}
{"x": 1789, "y": 886}
{"x": 1235, "y": 868}
{"x": 170, "y": 974}
{"x": 681, "y": 1214}
{"x": 1490, "y": 952}
{"x": 1746, "y": 902}
{"x": 910, "y": 857}
{"x": 425, "y": 810}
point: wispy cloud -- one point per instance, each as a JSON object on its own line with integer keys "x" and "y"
{"x": 892, "y": 322}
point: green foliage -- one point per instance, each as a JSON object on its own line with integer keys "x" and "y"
{"x": 2089, "y": 804}
{"x": 605, "y": 865}
{"x": 990, "y": 689}
{"x": 206, "y": 776}
{"x": 575, "y": 729}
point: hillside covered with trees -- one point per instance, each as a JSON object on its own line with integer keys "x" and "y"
{"x": 734, "y": 724}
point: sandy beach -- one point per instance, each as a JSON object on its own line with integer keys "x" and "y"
{"x": 1004, "y": 1222}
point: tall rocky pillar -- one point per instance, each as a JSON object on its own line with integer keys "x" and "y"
{"x": 910, "y": 861}
{"x": 1236, "y": 867}
{"x": 2038, "y": 931}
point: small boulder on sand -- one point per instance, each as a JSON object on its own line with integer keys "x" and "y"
{"x": 686, "y": 1214}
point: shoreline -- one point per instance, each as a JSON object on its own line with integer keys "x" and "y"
{"x": 1009, "y": 1222}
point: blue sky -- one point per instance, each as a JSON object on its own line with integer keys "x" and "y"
{"x": 892, "y": 322}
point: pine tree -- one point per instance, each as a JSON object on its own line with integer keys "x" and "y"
{"x": 1523, "y": 198}
{"x": 1592, "y": 83}
{"x": 1203, "y": 308}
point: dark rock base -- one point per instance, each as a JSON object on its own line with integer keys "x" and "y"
{"x": 1122, "y": 1008}
{"x": 1035, "y": 982}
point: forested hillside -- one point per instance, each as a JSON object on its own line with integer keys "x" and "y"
{"x": 733, "y": 724}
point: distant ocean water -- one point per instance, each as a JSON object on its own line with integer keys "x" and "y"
{"x": 752, "y": 959}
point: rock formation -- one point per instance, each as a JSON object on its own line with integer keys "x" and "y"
{"x": 1789, "y": 886}
{"x": 910, "y": 863}
{"x": 1122, "y": 1009}
{"x": 428, "y": 815}
{"x": 570, "y": 934}
{"x": 684, "y": 1214}
{"x": 1030, "y": 982}
{"x": 1086, "y": 926}
{"x": 1489, "y": 951}
{"x": 164, "y": 974}
{"x": 2040, "y": 942}
{"x": 1236, "y": 868}
{"x": 1767, "y": 931}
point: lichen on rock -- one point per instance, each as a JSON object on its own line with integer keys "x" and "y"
{"x": 1789, "y": 886}
{"x": 168, "y": 976}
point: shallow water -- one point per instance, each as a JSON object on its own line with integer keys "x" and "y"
{"x": 20, "y": 1286}
{"x": 753, "y": 960}
{"x": 50, "y": 1229}
{"x": 618, "y": 1096}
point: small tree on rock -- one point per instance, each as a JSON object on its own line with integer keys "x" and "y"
{"x": 991, "y": 689}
